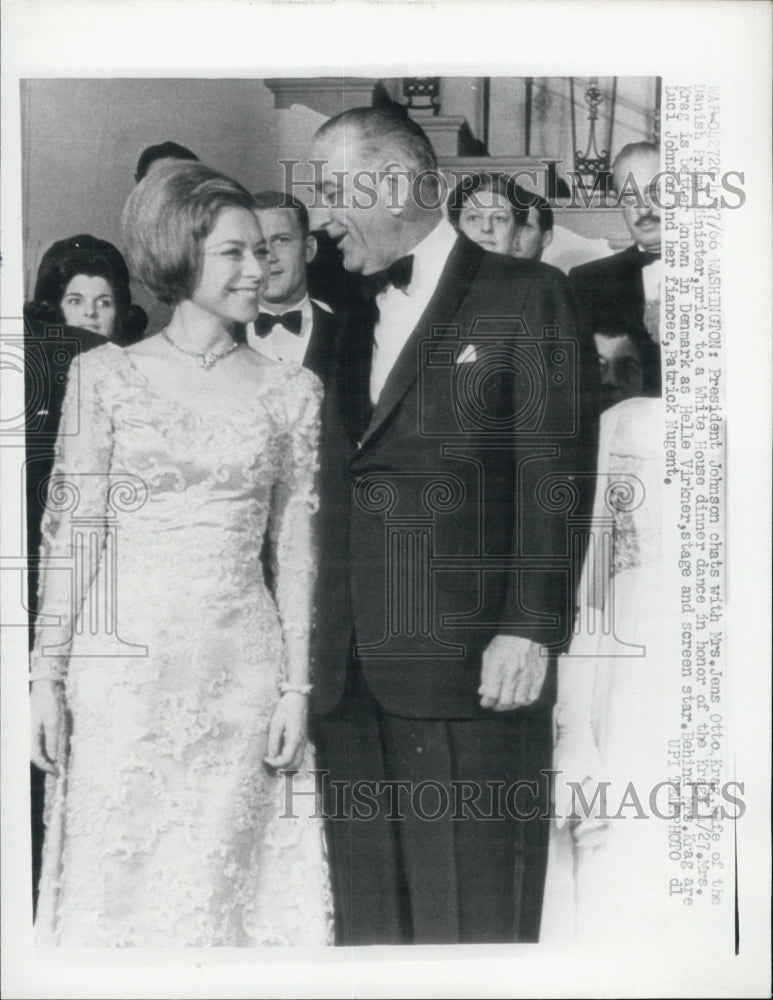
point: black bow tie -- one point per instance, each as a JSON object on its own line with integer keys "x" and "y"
{"x": 398, "y": 274}
{"x": 291, "y": 321}
{"x": 648, "y": 256}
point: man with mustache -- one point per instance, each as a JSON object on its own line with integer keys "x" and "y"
{"x": 455, "y": 410}
{"x": 624, "y": 289}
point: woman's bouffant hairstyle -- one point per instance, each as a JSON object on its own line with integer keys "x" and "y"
{"x": 520, "y": 200}
{"x": 167, "y": 217}
{"x": 85, "y": 254}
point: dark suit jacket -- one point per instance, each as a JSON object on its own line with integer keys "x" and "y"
{"x": 610, "y": 294}
{"x": 326, "y": 276}
{"x": 320, "y": 350}
{"x": 610, "y": 291}
{"x": 321, "y": 347}
{"x": 444, "y": 512}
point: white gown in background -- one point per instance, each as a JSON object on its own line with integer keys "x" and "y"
{"x": 165, "y": 827}
{"x": 608, "y": 882}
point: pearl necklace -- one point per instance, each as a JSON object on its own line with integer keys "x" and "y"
{"x": 206, "y": 360}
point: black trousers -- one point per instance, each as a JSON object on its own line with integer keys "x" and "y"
{"x": 427, "y": 823}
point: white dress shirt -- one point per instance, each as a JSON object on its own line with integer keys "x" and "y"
{"x": 281, "y": 344}
{"x": 400, "y": 310}
{"x": 650, "y": 276}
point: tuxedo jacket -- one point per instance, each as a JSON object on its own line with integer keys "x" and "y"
{"x": 611, "y": 291}
{"x": 446, "y": 510}
{"x": 321, "y": 346}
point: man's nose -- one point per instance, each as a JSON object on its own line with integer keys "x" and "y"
{"x": 644, "y": 206}
{"x": 487, "y": 224}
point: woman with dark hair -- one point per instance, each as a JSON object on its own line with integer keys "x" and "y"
{"x": 84, "y": 282}
{"x": 169, "y": 687}
{"x": 81, "y": 299}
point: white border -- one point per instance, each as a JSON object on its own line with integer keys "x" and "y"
{"x": 725, "y": 44}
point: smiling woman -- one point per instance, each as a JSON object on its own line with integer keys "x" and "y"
{"x": 166, "y": 812}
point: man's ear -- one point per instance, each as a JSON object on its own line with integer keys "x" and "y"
{"x": 311, "y": 248}
{"x": 547, "y": 239}
{"x": 395, "y": 183}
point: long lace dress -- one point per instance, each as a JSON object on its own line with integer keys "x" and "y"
{"x": 607, "y": 880}
{"x": 165, "y": 827}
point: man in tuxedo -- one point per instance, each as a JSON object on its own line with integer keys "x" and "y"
{"x": 456, "y": 445}
{"x": 291, "y": 326}
{"x": 624, "y": 289}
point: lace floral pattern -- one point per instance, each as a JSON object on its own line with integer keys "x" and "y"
{"x": 632, "y": 458}
{"x": 166, "y": 828}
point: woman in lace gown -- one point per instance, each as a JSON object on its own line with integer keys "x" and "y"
{"x": 606, "y": 878}
{"x": 169, "y": 687}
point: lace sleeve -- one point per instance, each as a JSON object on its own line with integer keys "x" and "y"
{"x": 73, "y": 526}
{"x": 295, "y": 502}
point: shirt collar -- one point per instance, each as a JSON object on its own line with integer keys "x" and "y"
{"x": 276, "y": 310}
{"x": 430, "y": 256}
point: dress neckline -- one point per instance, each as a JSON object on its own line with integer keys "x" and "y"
{"x": 180, "y": 404}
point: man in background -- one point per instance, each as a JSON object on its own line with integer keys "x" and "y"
{"x": 157, "y": 156}
{"x": 629, "y": 362}
{"x": 624, "y": 289}
{"x": 290, "y": 326}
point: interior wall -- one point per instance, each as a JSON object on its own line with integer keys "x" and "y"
{"x": 81, "y": 139}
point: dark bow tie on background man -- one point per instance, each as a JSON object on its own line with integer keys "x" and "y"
{"x": 648, "y": 256}
{"x": 398, "y": 274}
{"x": 291, "y": 321}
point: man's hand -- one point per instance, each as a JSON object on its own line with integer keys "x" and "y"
{"x": 512, "y": 673}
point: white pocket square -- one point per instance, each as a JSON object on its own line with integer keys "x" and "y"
{"x": 467, "y": 354}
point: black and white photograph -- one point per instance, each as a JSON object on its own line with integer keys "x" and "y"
{"x": 376, "y": 580}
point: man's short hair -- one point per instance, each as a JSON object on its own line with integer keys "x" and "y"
{"x": 519, "y": 198}
{"x": 166, "y": 219}
{"x": 649, "y": 352}
{"x": 387, "y": 130}
{"x": 633, "y": 149}
{"x": 280, "y": 199}
{"x": 161, "y": 151}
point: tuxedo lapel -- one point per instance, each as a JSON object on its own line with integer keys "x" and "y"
{"x": 350, "y": 373}
{"x": 631, "y": 280}
{"x": 460, "y": 269}
{"x": 320, "y": 344}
